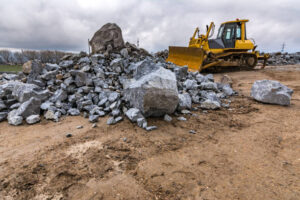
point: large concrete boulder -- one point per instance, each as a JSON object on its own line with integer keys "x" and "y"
{"x": 270, "y": 91}
{"x": 154, "y": 94}
{"x": 109, "y": 34}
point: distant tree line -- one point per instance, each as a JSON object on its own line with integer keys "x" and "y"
{"x": 20, "y": 57}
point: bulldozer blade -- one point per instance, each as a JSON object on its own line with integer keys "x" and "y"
{"x": 192, "y": 57}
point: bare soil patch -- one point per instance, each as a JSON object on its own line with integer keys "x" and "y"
{"x": 250, "y": 151}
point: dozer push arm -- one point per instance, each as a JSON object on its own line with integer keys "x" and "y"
{"x": 195, "y": 33}
{"x": 208, "y": 30}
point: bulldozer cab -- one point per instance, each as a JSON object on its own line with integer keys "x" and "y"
{"x": 227, "y": 35}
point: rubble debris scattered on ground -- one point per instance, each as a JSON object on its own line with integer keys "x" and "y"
{"x": 270, "y": 91}
{"x": 284, "y": 58}
{"x": 127, "y": 81}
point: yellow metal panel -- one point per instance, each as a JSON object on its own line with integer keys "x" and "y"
{"x": 247, "y": 44}
{"x": 240, "y": 20}
{"x": 192, "y": 57}
{"x": 243, "y": 32}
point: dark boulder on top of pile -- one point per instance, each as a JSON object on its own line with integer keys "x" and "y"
{"x": 108, "y": 37}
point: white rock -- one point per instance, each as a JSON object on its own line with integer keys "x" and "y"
{"x": 14, "y": 119}
{"x": 32, "y": 119}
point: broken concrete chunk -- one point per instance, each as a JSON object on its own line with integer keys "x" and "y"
{"x": 66, "y": 63}
{"x": 15, "y": 106}
{"x": 155, "y": 94}
{"x": 84, "y": 60}
{"x": 50, "y": 115}
{"x": 145, "y": 67}
{"x": 186, "y": 112}
{"x": 30, "y": 107}
{"x": 113, "y": 96}
{"x": 200, "y": 78}
{"x": 270, "y": 91}
{"x": 2, "y": 105}
{"x": 181, "y": 72}
{"x": 167, "y": 118}
{"x": 59, "y": 95}
{"x": 151, "y": 128}
{"x": 181, "y": 118}
{"x": 226, "y": 80}
{"x": 74, "y": 112}
{"x": 14, "y": 119}
{"x": 185, "y": 101}
{"x": 133, "y": 114}
{"x": 51, "y": 67}
{"x": 210, "y": 77}
{"x": 80, "y": 78}
{"x": 46, "y": 105}
{"x": 118, "y": 119}
{"x": 93, "y": 118}
{"x": 26, "y": 68}
{"x": 190, "y": 84}
{"x": 110, "y": 121}
{"x": 142, "y": 122}
{"x": 32, "y": 119}
{"x": 228, "y": 91}
{"x": 209, "y": 86}
{"x": 210, "y": 104}
{"x": 115, "y": 112}
{"x": 124, "y": 52}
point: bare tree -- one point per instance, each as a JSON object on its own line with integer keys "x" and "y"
{"x": 19, "y": 56}
{"x": 6, "y": 55}
{"x": 31, "y": 55}
{"x": 46, "y": 56}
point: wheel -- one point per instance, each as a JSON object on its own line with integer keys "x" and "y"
{"x": 251, "y": 61}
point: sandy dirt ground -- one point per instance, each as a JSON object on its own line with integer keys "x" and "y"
{"x": 250, "y": 151}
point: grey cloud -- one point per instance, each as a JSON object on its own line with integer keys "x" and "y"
{"x": 66, "y": 25}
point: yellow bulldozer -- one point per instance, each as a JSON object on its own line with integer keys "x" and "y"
{"x": 230, "y": 48}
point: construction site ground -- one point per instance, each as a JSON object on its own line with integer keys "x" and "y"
{"x": 250, "y": 151}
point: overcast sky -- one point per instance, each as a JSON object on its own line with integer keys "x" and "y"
{"x": 67, "y": 24}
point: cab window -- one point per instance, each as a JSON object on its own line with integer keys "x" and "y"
{"x": 228, "y": 34}
{"x": 220, "y": 32}
{"x": 238, "y": 32}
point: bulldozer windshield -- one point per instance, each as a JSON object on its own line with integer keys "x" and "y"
{"x": 220, "y": 32}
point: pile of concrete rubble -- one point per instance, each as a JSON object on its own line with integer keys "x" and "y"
{"x": 284, "y": 58}
{"x": 116, "y": 82}
{"x": 138, "y": 86}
